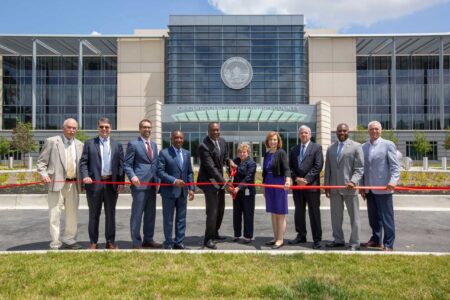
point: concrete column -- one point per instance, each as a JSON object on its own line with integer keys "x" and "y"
{"x": 33, "y": 85}
{"x": 441, "y": 83}
{"x": 323, "y": 124}
{"x": 153, "y": 112}
{"x": 80, "y": 84}
{"x": 1, "y": 92}
{"x": 394, "y": 86}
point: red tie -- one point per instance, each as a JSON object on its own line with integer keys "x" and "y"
{"x": 149, "y": 150}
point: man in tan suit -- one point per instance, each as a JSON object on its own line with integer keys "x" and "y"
{"x": 58, "y": 165}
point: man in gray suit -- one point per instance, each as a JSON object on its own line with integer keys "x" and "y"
{"x": 58, "y": 166}
{"x": 381, "y": 169}
{"x": 344, "y": 166}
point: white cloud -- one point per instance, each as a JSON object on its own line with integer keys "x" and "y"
{"x": 95, "y": 33}
{"x": 337, "y": 14}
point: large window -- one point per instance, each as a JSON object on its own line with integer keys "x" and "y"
{"x": 411, "y": 152}
{"x": 196, "y": 54}
{"x": 57, "y": 90}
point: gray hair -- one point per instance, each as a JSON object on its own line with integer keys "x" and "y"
{"x": 69, "y": 120}
{"x": 305, "y": 128}
{"x": 374, "y": 123}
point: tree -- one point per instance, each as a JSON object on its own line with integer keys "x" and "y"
{"x": 390, "y": 136}
{"x": 421, "y": 145}
{"x": 5, "y": 146}
{"x": 82, "y": 136}
{"x": 360, "y": 135}
{"x": 22, "y": 139}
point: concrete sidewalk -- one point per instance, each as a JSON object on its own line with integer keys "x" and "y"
{"x": 401, "y": 202}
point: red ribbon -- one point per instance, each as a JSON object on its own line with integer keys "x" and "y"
{"x": 293, "y": 187}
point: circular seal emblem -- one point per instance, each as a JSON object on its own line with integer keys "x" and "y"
{"x": 236, "y": 73}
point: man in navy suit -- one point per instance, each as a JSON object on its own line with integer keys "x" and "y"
{"x": 175, "y": 167}
{"x": 306, "y": 162}
{"x": 141, "y": 161}
{"x": 102, "y": 160}
{"x": 382, "y": 168}
{"x": 213, "y": 154}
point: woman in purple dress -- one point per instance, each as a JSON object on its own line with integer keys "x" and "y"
{"x": 276, "y": 171}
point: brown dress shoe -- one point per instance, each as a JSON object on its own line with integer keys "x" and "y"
{"x": 137, "y": 247}
{"x": 371, "y": 244}
{"x": 151, "y": 245}
{"x": 111, "y": 246}
{"x": 93, "y": 246}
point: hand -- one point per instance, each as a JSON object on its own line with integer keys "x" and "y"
{"x": 46, "y": 179}
{"x": 120, "y": 188}
{"x": 229, "y": 189}
{"x": 350, "y": 186}
{"x": 301, "y": 181}
{"x": 135, "y": 181}
{"x": 327, "y": 193}
{"x": 287, "y": 184}
{"x": 232, "y": 165}
{"x": 87, "y": 180}
{"x": 191, "y": 195}
{"x": 363, "y": 194}
{"x": 235, "y": 191}
{"x": 390, "y": 187}
{"x": 179, "y": 183}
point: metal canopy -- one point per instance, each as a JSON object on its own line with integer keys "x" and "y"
{"x": 58, "y": 45}
{"x": 239, "y": 115}
{"x": 405, "y": 45}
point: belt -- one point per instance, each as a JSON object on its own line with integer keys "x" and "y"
{"x": 71, "y": 179}
{"x": 107, "y": 177}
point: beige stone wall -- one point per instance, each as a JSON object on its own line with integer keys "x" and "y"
{"x": 323, "y": 125}
{"x": 332, "y": 77}
{"x": 140, "y": 83}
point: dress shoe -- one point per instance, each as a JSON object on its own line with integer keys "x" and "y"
{"x": 235, "y": 239}
{"x": 151, "y": 245}
{"x": 297, "y": 240}
{"x": 246, "y": 241}
{"x": 168, "y": 247}
{"x": 387, "y": 249}
{"x": 270, "y": 243}
{"x": 180, "y": 246}
{"x": 137, "y": 247}
{"x": 317, "y": 245}
{"x": 93, "y": 246}
{"x": 111, "y": 246}
{"x": 275, "y": 246}
{"x": 371, "y": 244}
{"x": 219, "y": 237}
{"x": 333, "y": 244}
{"x": 210, "y": 244}
{"x": 354, "y": 248}
{"x": 74, "y": 246}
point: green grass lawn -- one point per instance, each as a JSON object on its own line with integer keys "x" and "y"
{"x": 157, "y": 275}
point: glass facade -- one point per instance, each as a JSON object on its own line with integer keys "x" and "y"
{"x": 57, "y": 90}
{"x": 195, "y": 55}
{"x": 417, "y": 92}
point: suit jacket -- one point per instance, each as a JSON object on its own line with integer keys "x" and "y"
{"x": 348, "y": 169}
{"x": 310, "y": 167}
{"x": 211, "y": 162}
{"x": 138, "y": 163}
{"x": 91, "y": 162}
{"x": 169, "y": 170}
{"x": 382, "y": 167}
{"x": 52, "y": 162}
{"x": 245, "y": 174}
{"x": 280, "y": 165}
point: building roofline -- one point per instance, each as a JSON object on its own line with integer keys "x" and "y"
{"x": 382, "y": 35}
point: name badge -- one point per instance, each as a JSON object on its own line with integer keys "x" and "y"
{"x": 247, "y": 192}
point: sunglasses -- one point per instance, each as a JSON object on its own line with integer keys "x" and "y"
{"x": 103, "y": 127}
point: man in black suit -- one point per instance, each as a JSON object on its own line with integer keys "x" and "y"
{"x": 306, "y": 162}
{"x": 102, "y": 160}
{"x": 213, "y": 154}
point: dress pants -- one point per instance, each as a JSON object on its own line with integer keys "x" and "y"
{"x": 68, "y": 199}
{"x": 243, "y": 206}
{"x": 337, "y": 216}
{"x": 312, "y": 198}
{"x": 170, "y": 205}
{"x": 380, "y": 209}
{"x": 215, "y": 208}
{"x": 107, "y": 194}
{"x": 144, "y": 204}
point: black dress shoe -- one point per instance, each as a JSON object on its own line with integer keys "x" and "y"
{"x": 275, "y": 246}
{"x": 354, "y": 248}
{"x": 316, "y": 245}
{"x": 210, "y": 244}
{"x": 74, "y": 246}
{"x": 333, "y": 244}
{"x": 180, "y": 246}
{"x": 168, "y": 247}
{"x": 270, "y": 243}
{"x": 297, "y": 240}
{"x": 219, "y": 237}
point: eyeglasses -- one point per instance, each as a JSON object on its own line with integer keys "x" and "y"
{"x": 146, "y": 127}
{"x": 103, "y": 127}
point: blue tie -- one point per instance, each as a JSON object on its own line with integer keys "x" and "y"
{"x": 302, "y": 155}
{"x": 339, "y": 151}
{"x": 106, "y": 157}
{"x": 180, "y": 158}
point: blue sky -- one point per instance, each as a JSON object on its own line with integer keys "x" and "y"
{"x": 122, "y": 17}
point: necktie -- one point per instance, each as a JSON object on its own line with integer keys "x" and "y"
{"x": 180, "y": 158}
{"x": 70, "y": 166}
{"x": 149, "y": 150}
{"x": 301, "y": 156}
{"x": 339, "y": 151}
{"x": 106, "y": 157}
{"x": 217, "y": 145}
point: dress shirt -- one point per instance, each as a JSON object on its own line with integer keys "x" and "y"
{"x": 102, "y": 142}
{"x": 71, "y": 148}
